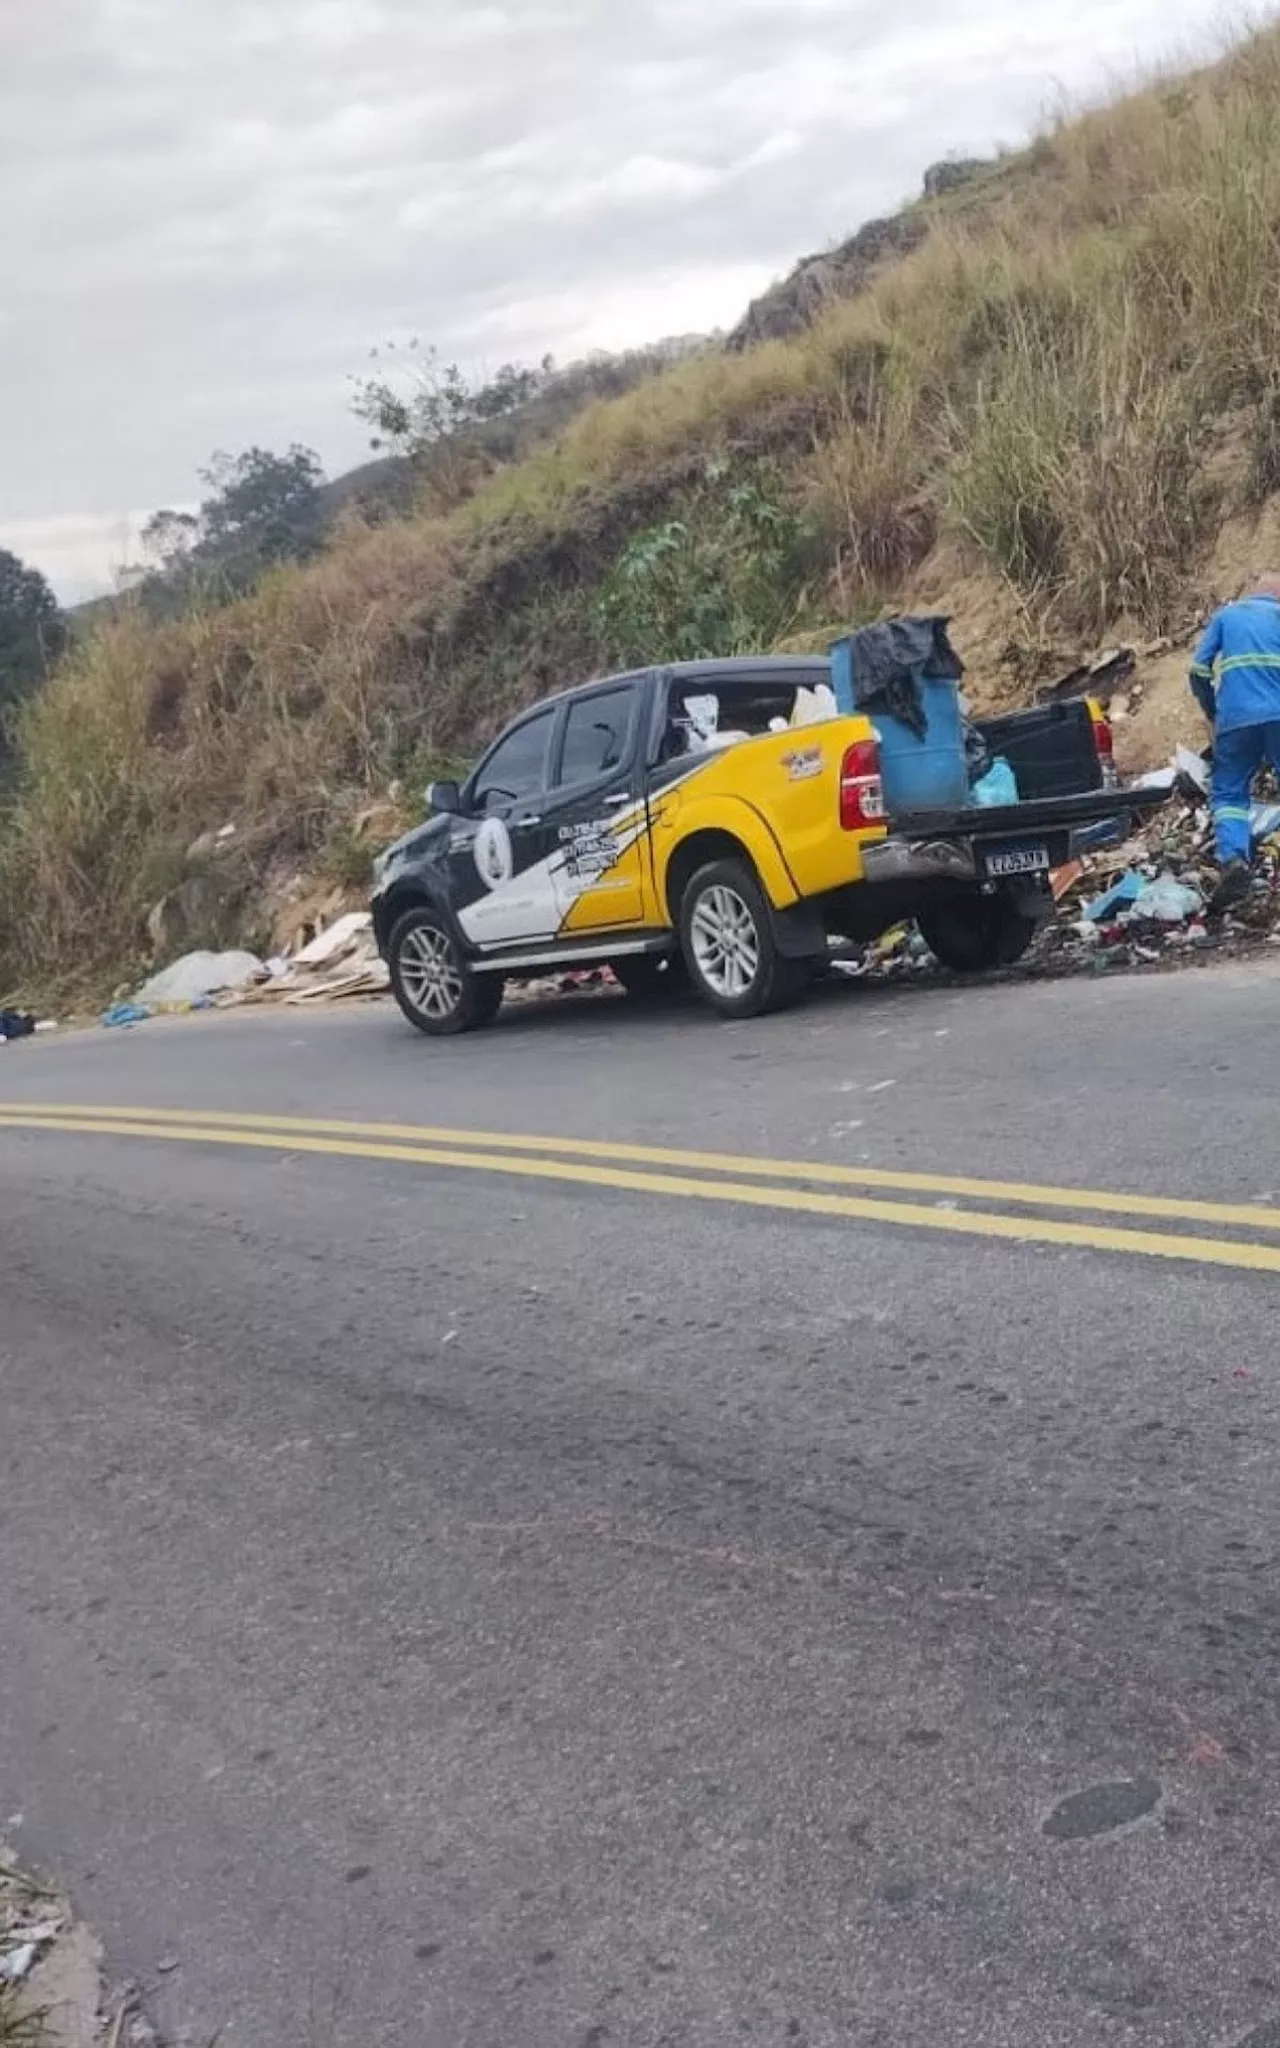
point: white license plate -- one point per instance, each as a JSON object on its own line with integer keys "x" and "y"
{"x": 1016, "y": 860}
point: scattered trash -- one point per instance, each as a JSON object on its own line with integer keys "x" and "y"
{"x": 1065, "y": 878}
{"x": 121, "y": 1014}
{"x": 340, "y": 961}
{"x": 1191, "y": 767}
{"x": 199, "y": 975}
{"x": 1126, "y": 890}
{"x": 1104, "y": 678}
{"x": 1138, "y": 901}
{"x": 30, "y": 1918}
{"x": 15, "y": 1962}
{"x": 1168, "y": 900}
{"x": 1264, "y": 821}
{"x": 15, "y": 1024}
{"x": 1205, "y": 1751}
{"x": 888, "y": 944}
{"x": 338, "y": 938}
{"x": 52, "y": 1989}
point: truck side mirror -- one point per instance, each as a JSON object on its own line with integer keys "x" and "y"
{"x": 443, "y": 796}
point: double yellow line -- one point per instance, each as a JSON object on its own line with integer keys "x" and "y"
{"x": 957, "y": 1205}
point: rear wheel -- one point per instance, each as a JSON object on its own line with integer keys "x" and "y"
{"x": 432, "y": 981}
{"x": 726, "y": 932}
{"x": 972, "y": 934}
{"x": 650, "y": 975}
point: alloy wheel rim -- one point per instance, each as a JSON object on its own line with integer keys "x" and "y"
{"x": 429, "y": 972}
{"x": 725, "y": 941}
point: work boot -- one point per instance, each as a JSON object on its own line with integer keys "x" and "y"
{"x": 1234, "y": 885}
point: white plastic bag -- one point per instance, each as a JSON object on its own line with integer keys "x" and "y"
{"x": 197, "y": 975}
{"x": 703, "y": 715}
{"x": 814, "y": 707}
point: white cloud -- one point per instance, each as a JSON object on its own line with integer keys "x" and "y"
{"x": 212, "y": 211}
{"x": 80, "y": 554}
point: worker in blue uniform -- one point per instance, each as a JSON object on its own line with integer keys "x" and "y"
{"x": 1235, "y": 678}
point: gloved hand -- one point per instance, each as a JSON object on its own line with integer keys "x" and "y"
{"x": 1203, "y": 692}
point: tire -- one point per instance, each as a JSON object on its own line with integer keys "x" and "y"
{"x": 647, "y": 977}
{"x": 431, "y": 981}
{"x": 726, "y": 935}
{"x": 973, "y": 934}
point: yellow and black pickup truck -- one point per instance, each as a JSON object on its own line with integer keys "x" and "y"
{"x": 719, "y": 821}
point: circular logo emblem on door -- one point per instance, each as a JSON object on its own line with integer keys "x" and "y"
{"x": 494, "y": 860}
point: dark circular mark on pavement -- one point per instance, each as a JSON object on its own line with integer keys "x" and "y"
{"x": 899, "y": 1893}
{"x": 1099, "y": 1808}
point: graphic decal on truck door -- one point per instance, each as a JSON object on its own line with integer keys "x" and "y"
{"x": 587, "y": 882}
{"x": 494, "y": 857}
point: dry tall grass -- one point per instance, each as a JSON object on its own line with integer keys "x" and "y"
{"x": 1043, "y": 379}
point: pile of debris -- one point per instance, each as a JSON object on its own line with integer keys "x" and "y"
{"x": 1146, "y": 902}
{"x": 52, "y": 1993}
{"x": 340, "y": 961}
{"x": 1141, "y": 903}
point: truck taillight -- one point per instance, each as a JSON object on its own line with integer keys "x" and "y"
{"x": 1104, "y": 741}
{"x": 861, "y": 790}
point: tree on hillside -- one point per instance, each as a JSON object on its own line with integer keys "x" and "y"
{"x": 261, "y": 509}
{"x": 448, "y": 431}
{"x": 417, "y": 401}
{"x": 32, "y": 633}
{"x": 168, "y": 539}
{"x": 429, "y": 413}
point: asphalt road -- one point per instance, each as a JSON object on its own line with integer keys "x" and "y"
{"x": 578, "y": 1600}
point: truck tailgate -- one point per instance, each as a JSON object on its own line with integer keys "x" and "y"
{"x": 1029, "y": 820}
{"x": 1052, "y": 749}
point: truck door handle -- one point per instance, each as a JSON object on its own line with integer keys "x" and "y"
{"x": 616, "y": 801}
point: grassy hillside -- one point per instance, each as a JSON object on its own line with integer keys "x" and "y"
{"x": 1046, "y": 412}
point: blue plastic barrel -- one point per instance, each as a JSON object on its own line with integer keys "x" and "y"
{"x": 926, "y": 774}
{"x": 919, "y": 774}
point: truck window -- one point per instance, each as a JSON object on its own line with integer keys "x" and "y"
{"x": 516, "y": 768}
{"x": 597, "y": 730}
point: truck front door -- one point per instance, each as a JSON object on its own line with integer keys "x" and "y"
{"x": 501, "y": 851}
{"x": 595, "y": 814}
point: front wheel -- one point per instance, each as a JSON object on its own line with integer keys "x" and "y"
{"x": 972, "y": 934}
{"x": 726, "y": 933}
{"x": 432, "y": 981}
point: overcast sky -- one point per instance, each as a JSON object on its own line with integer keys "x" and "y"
{"x": 213, "y": 208}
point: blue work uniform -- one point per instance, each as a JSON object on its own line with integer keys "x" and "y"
{"x": 1236, "y": 680}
